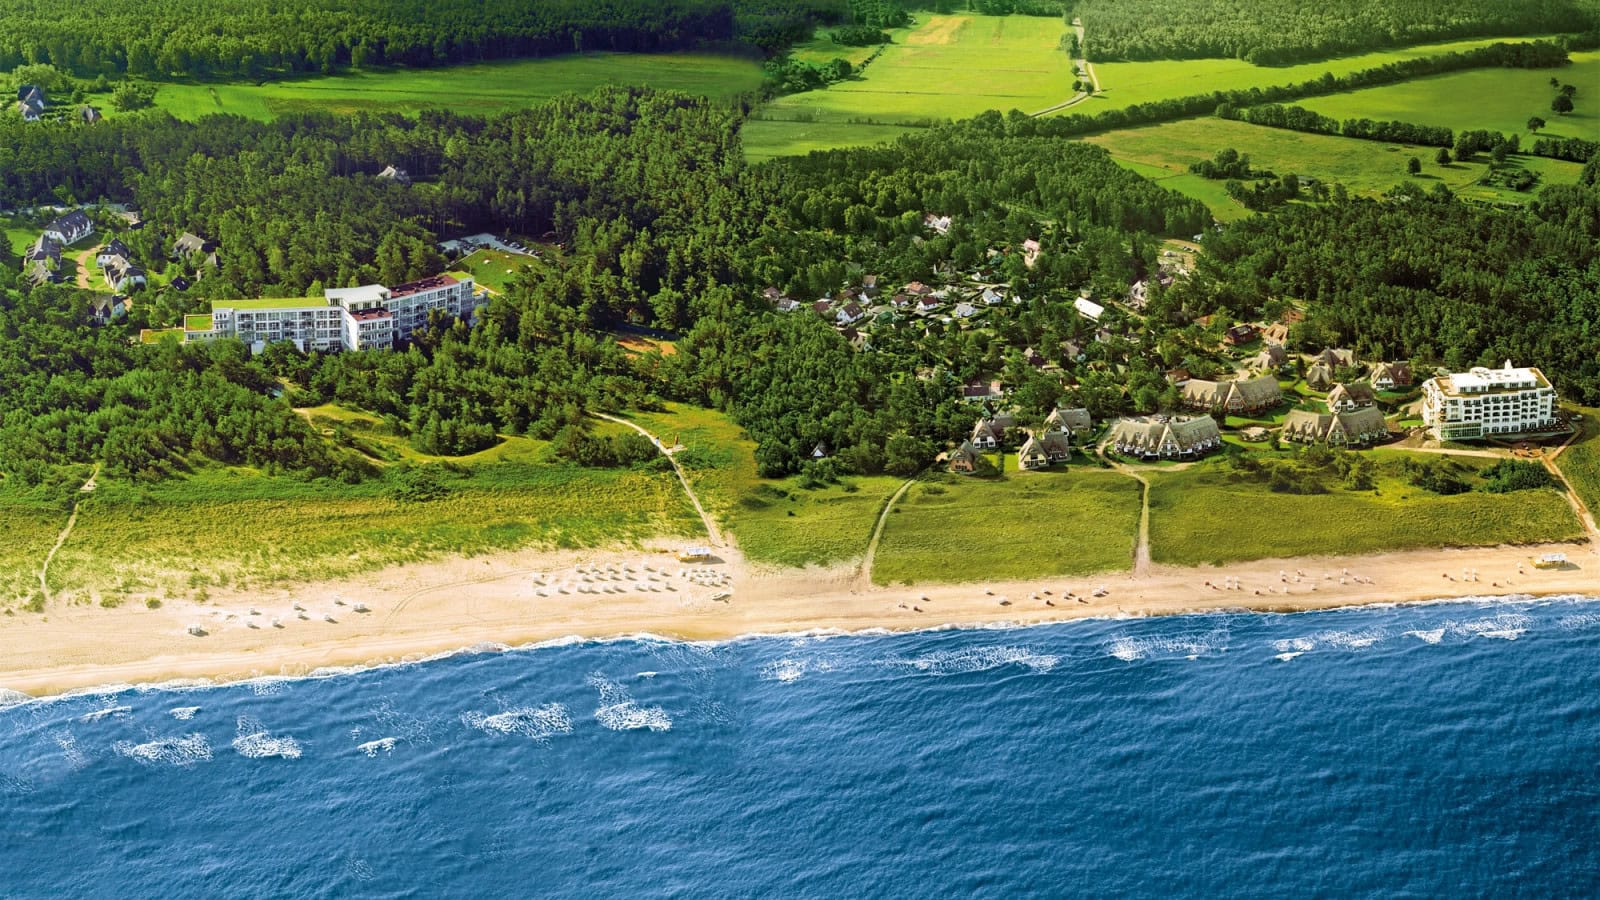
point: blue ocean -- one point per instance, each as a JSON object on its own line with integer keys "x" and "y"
{"x": 1439, "y": 749}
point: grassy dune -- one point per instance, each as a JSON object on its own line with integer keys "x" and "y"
{"x": 482, "y": 88}
{"x": 950, "y": 528}
{"x": 31, "y": 529}
{"x": 1201, "y": 515}
{"x": 1580, "y": 463}
{"x": 242, "y": 528}
{"x": 775, "y": 521}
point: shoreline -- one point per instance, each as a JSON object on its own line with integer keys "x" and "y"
{"x": 421, "y": 611}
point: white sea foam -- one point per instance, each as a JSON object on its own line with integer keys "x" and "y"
{"x": 1506, "y": 626}
{"x": 1576, "y": 622}
{"x": 537, "y": 722}
{"x": 1189, "y": 646}
{"x": 183, "y": 713}
{"x": 105, "y": 713}
{"x": 980, "y": 659}
{"x": 786, "y": 670}
{"x": 253, "y": 741}
{"x": 69, "y": 749}
{"x": 1429, "y": 636}
{"x": 1350, "y": 640}
{"x": 267, "y": 687}
{"x": 185, "y": 750}
{"x": 1294, "y": 646}
{"x": 1127, "y": 649}
{"x": 9, "y": 697}
{"x": 381, "y": 745}
{"x": 618, "y": 711}
{"x": 1285, "y": 657}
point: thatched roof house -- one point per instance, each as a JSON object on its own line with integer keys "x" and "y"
{"x": 1069, "y": 421}
{"x": 1345, "y": 397}
{"x": 1161, "y": 438}
{"x": 1044, "y": 448}
{"x": 1253, "y": 395}
{"x": 963, "y": 459}
{"x": 1386, "y": 375}
{"x": 1357, "y": 427}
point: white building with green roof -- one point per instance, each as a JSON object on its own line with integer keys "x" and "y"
{"x": 360, "y": 318}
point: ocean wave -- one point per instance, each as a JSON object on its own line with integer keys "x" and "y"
{"x": 105, "y": 713}
{"x": 979, "y": 659}
{"x": 381, "y": 745}
{"x": 619, "y": 712}
{"x": 1428, "y": 636}
{"x": 69, "y": 749}
{"x": 790, "y": 669}
{"x": 183, "y": 713}
{"x": 185, "y": 750}
{"x": 1506, "y": 626}
{"x": 254, "y": 742}
{"x": 9, "y": 697}
{"x": 1129, "y": 648}
{"x": 537, "y": 722}
{"x": 1579, "y": 621}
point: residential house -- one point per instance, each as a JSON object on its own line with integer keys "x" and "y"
{"x": 1276, "y": 333}
{"x": 937, "y": 224}
{"x": 1240, "y": 334}
{"x": 102, "y": 309}
{"x": 1270, "y": 358}
{"x": 927, "y": 305}
{"x": 1346, "y": 397}
{"x": 30, "y": 103}
{"x": 965, "y": 310}
{"x": 89, "y": 115}
{"x": 70, "y": 228}
{"x": 980, "y": 391}
{"x": 869, "y": 286}
{"x": 1138, "y": 294}
{"x": 1071, "y": 350}
{"x": 41, "y": 272}
{"x": 189, "y": 245}
{"x": 992, "y": 297}
{"x": 1387, "y": 376}
{"x": 1040, "y": 451}
{"x": 1030, "y": 252}
{"x": 917, "y": 289}
{"x": 773, "y": 294}
{"x": 820, "y": 451}
{"x": 1336, "y": 359}
{"x": 849, "y": 314}
{"x": 900, "y": 301}
{"x": 986, "y": 435}
{"x": 1163, "y": 438}
{"x": 1069, "y": 422}
{"x": 822, "y": 308}
{"x": 1357, "y": 427}
{"x": 1232, "y": 397}
{"x": 1088, "y": 309}
{"x": 181, "y": 284}
{"x": 396, "y": 174}
{"x": 1319, "y": 377}
{"x": 124, "y": 275}
{"x": 1034, "y": 358}
{"x": 788, "y": 304}
{"x": 112, "y": 249}
{"x": 963, "y": 460}
{"x": 1178, "y": 376}
{"x": 45, "y": 248}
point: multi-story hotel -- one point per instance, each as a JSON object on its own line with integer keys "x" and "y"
{"x": 1484, "y": 403}
{"x": 358, "y": 318}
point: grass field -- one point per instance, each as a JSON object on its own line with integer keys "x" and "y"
{"x": 775, "y": 521}
{"x": 947, "y": 67}
{"x": 31, "y": 529}
{"x": 482, "y": 88}
{"x": 1200, "y": 515}
{"x": 1580, "y": 463}
{"x": 241, "y": 528}
{"x": 495, "y": 269}
{"x": 1367, "y": 167}
{"x": 1495, "y": 99}
{"x": 951, "y": 528}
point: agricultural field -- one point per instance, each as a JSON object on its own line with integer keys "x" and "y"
{"x": 776, "y": 522}
{"x": 1204, "y": 515}
{"x": 950, "y": 528}
{"x": 821, "y": 49}
{"x": 176, "y": 538}
{"x": 947, "y": 67}
{"x": 1494, "y": 99}
{"x": 1126, "y": 83}
{"x": 1365, "y": 167}
{"x": 482, "y": 88}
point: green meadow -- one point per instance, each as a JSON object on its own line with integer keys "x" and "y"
{"x": 1163, "y": 153}
{"x": 1208, "y": 515}
{"x": 952, "y": 528}
{"x": 482, "y": 88}
{"x": 1580, "y": 463}
{"x": 1496, "y": 99}
{"x": 947, "y": 67}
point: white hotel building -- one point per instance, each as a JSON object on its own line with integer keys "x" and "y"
{"x": 1484, "y": 403}
{"x": 358, "y": 318}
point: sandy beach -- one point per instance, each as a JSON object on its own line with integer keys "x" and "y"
{"x": 411, "y": 612}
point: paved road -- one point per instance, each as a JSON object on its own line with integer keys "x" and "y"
{"x": 711, "y": 526}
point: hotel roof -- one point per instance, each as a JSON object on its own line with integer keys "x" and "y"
{"x": 1488, "y": 381}
{"x": 425, "y": 284}
{"x": 366, "y": 293}
{"x": 271, "y": 303}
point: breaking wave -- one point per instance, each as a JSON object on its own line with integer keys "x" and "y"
{"x": 619, "y": 712}
{"x": 536, "y": 722}
{"x": 254, "y": 742}
{"x": 177, "y": 751}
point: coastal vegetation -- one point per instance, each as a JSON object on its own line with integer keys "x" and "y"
{"x": 1018, "y": 525}
{"x": 1580, "y": 463}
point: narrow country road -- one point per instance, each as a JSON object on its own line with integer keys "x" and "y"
{"x": 1584, "y": 513}
{"x": 66, "y": 532}
{"x": 864, "y": 576}
{"x": 1088, "y": 69}
{"x": 711, "y": 526}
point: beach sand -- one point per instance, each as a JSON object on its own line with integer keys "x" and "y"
{"x": 415, "y": 611}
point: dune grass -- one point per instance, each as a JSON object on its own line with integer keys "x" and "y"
{"x": 1365, "y": 167}
{"x": 1495, "y": 99}
{"x": 1205, "y": 514}
{"x": 31, "y": 525}
{"x": 775, "y": 521}
{"x": 240, "y": 528}
{"x": 945, "y": 67}
{"x": 1580, "y": 462}
{"x": 481, "y": 88}
{"x": 951, "y": 528}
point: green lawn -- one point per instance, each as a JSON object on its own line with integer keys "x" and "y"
{"x": 776, "y": 522}
{"x": 1366, "y": 167}
{"x": 947, "y": 67}
{"x": 1127, "y": 83}
{"x": 1203, "y": 515}
{"x": 241, "y": 528}
{"x": 495, "y": 269}
{"x": 481, "y": 88}
{"x": 1580, "y": 463}
{"x": 1495, "y": 99}
{"x": 950, "y": 528}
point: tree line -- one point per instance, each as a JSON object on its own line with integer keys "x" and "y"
{"x": 1304, "y": 30}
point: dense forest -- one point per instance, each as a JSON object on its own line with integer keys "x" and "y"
{"x": 1303, "y": 30}
{"x": 251, "y": 39}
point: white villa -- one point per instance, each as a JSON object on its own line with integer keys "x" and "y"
{"x": 1484, "y": 403}
{"x": 360, "y": 318}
